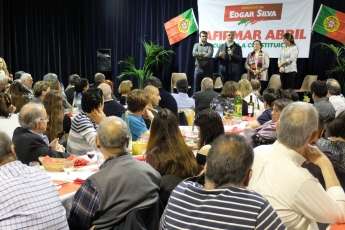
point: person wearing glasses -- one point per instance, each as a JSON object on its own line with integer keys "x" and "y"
{"x": 29, "y": 140}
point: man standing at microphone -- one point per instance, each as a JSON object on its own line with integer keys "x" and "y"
{"x": 229, "y": 57}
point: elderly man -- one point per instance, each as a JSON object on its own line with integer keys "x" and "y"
{"x": 27, "y": 81}
{"x": 122, "y": 185}
{"x": 334, "y": 95}
{"x": 29, "y": 140}
{"x": 98, "y": 79}
{"x": 28, "y": 199}
{"x": 111, "y": 107}
{"x": 230, "y": 59}
{"x": 222, "y": 201}
{"x": 297, "y": 196}
{"x": 204, "y": 97}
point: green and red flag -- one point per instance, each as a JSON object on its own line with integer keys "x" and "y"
{"x": 180, "y": 27}
{"x": 331, "y": 23}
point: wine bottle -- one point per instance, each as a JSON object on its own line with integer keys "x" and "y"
{"x": 251, "y": 107}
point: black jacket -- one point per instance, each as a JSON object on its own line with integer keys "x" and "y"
{"x": 113, "y": 108}
{"x": 29, "y": 146}
{"x": 167, "y": 101}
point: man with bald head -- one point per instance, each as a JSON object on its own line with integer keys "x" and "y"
{"x": 111, "y": 106}
{"x": 122, "y": 185}
{"x": 29, "y": 140}
{"x": 204, "y": 97}
{"x": 294, "y": 193}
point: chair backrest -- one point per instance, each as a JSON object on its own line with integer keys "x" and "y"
{"x": 308, "y": 79}
{"x": 145, "y": 218}
{"x": 218, "y": 84}
{"x": 175, "y": 77}
{"x": 275, "y": 82}
{"x": 189, "y": 115}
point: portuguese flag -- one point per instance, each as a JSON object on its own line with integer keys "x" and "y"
{"x": 331, "y": 23}
{"x": 181, "y": 26}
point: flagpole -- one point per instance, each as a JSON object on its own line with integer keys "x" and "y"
{"x": 316, "y": 17}
{"x": 197, "y": 25}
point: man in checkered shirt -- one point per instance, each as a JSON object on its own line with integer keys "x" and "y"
{"x": 28, "y": 199}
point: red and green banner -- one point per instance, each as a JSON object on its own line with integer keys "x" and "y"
{"x": 181, "y": 26}
{"x": 331, "y": 23}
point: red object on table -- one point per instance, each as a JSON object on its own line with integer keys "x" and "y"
{"x": 140, "y": 157}
{"x": 337, "y": 227}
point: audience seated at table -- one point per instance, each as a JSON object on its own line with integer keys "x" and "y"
{"x": 335, "y": 96}
{"x": 111, "y": 106}
{"x": 124, "y": 88}
{"x": 168, "y": 153}
{"x": 204, "y": 97}
{"x": 73, "y": 80}
{"x": 266, "y": 133}
{"x": 55, "y": 84}
{"x": 269, "y": 96}
{"x": 321, "y": 101}
{"x": 41, "y": 88}
{"x": 28, "y": 200}
{"x": 167, "y": 100}
{"x": 121, "y": 186}
{"x": 333, "y": 145}
{"x": 8, "y": 119}
{"x": 297, "y": 196}
{"x": 81, "y": 87}
{"x": 98, "y": 79}
{"x": 219, "y": 199}
{"x": 82, "y": 136}
{"x": 137, "y": 102}
{"x": 246, "y": 91}
{"x": 19, "y": 95}
{"x": 182, "y": 99}
{"x": 53, "y": 103}
{"x": 29, "y": 140}
{"x": 210, "y": 126}
{"x": 225, "y": 101}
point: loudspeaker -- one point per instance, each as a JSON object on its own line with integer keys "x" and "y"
{"x": 103, "y": 60}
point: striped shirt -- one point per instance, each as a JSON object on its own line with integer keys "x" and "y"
{"x": 28, "y": 199}
{"x": 192, "y": 207}
{"x": 82, "y": 136}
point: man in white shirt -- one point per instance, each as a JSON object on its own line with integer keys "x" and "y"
{"x": 334, "y": 95}
{"x": 293, "y": 192}
{"x": 182, "y": 99}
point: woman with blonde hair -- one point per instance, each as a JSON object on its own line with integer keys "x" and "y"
{"x": 53, "y": 103}
{"x": 3, "y": 68}
{"x": 246, "y": 91}
{"x": 124, "y": 88}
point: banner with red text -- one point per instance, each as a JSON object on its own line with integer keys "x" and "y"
{"x": 265, "y": 20}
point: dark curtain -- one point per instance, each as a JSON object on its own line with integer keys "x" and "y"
{"x": 63, "y": 36}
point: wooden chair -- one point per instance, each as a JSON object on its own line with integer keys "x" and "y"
{"x": 307, "y": 81}
{"x": 175, "y": 77}
{"x": 275, "y": 82}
